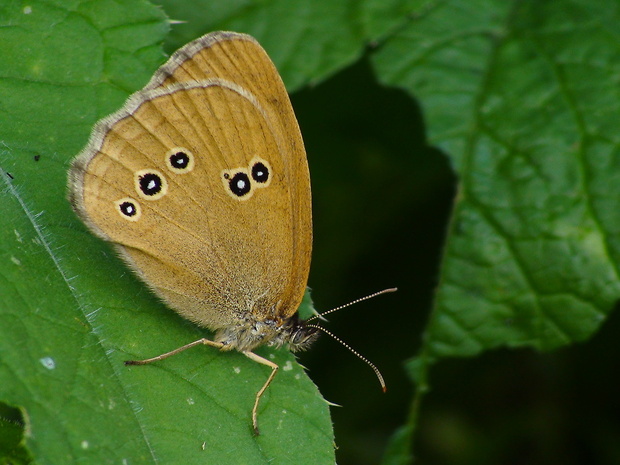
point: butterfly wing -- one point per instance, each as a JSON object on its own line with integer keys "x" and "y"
{"x": 240, "y": 59}
{"x": 203, "y": 185}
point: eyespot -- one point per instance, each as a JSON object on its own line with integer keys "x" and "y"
{"x": 239, "y": 184}
{"x": 180, "y": 160}
{"x": 261, "y": 172}
{"x": 129, "y": 209}
{"x": 150, "y": 184}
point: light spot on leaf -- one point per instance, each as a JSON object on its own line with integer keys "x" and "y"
{"x": 48, "y": 362}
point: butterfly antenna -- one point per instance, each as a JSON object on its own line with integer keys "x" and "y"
{"x": 360, "y": 356}
{"x": 361, "y": 299}
{"x": 336, "y": 338}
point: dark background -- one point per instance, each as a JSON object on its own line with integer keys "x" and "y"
{"x": 382, "y": 199}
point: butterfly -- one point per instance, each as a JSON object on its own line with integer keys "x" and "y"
{"x": 201, "y": 183}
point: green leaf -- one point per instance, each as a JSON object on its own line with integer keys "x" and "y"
{"x": 528, "y": 115}
{"x": 308, "y": 40}
{"x": 71, "y": 312}
{"x": 523, "y": 98}
{"x": 12, "y": 449}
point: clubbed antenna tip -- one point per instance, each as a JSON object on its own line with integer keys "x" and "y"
{"x": 336, "y": 338}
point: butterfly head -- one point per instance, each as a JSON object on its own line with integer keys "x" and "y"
{"x": 299, "y": 336}
{"x": 291, "y": 332}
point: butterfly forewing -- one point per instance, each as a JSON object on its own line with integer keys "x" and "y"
{"x": 238, "y": 58}
{"x": 210, "y": 252}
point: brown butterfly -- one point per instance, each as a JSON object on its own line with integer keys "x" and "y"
{"x": 201, "y": 182}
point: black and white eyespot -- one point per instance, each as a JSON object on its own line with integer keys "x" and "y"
{"x": 239, "y": 184}
{"x": 180, "y": 160}
{"x": 150, "y": 184}
{"x": 261, "y": 171}
{"x": 129, "y": 209}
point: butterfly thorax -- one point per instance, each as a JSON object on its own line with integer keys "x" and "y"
{"x": 291, "y": 332}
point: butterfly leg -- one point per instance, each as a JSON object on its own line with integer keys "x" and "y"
{"x": 203, "y": 341}
{"x": 274, "y": 370}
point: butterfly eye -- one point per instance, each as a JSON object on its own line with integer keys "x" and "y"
{"x": 129, "y": 209}
{"x": 180, "y": 160}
